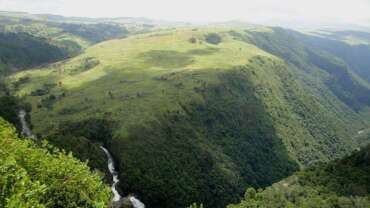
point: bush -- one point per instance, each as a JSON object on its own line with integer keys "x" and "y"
{"x": 193, "y": 40}
{"x": 39, "y": 92}
{"x": 48, "y": 101}
{"x": 9, "y": 107}
{"x": 213, "y": 38}
{"x": 85, "y": 65}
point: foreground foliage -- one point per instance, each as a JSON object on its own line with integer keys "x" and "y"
{"x": 33, "y": 176}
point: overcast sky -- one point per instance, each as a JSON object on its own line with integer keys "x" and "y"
{"x": 258, "y": 11}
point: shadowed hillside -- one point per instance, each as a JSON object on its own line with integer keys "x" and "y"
{"x": 341, "y": 183}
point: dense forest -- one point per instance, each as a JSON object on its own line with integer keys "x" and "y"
{"x": 21, "y": 50}
{"x": 342, "y": 183}
{"x": 215, "y": 158}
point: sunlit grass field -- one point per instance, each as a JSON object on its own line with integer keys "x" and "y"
{"x": 134, "y": 78}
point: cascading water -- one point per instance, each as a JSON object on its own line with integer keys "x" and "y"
{"x": 116, "y": 196}
{"x": 114, "y": 174}
{"x": 26, "y": 131}
{"x": 136, "y": 203}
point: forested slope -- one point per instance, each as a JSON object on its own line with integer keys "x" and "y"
{"x": 329, "y": 100}
{"x": 352, "y": 46}
{"x": 21, "y": 50}
{"x": 199, "y": 114}
{"x": 342, "y": 183}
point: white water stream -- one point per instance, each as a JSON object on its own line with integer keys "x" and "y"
{"x": 116, "y": 196}
{"x": 26, "y": 131}
{"x": 136, "y": 203}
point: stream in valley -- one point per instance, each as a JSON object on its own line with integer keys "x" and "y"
{"x": 117, "y": 198}
{"x": 26, "y": 131}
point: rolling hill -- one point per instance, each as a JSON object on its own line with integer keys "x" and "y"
{"x": 199, "y": 114}
{"x": 29, "y": 40}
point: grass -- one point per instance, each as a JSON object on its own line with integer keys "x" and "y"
{"x": 156, "y": 68}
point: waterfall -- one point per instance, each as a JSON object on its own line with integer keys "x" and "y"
{"x": 26, "y": 131}
{"x": 116, "y": 196}
{"x": 136, "y": 203}
{"x": 114, "y": 174}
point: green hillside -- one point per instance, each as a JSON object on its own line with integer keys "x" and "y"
{"x": 29, "y": 40}
{"x": 20, "y": 50}
{"x": 199, "y": 114}
{"x": 41, "y": 176}
{"x": 351, "y": 46}
{"x": 343, "y": 183}
{"x": 64, "y": 32}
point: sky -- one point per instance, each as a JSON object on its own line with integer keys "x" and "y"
{"x": 254, "y": 11}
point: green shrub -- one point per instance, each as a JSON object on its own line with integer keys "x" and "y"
{"x": 39, "y": 92}
{"x": 34, "y": 176}
{"x": 9, "y": 107}
{"x": 193, "y": 40}
{"x": 213, "y": 38}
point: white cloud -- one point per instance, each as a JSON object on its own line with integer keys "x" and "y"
{"x": 355, "y": 11}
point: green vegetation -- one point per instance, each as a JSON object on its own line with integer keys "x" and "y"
{"x": 215, "y": 157}
{"x": 94, "y": 32}
{"x": 166, "y": 59}
{"x": 10, "y": 107}
{"x": 84, "y": 140}
{"x": 344, "y": 183}
{"x": 213, "y": 38}
{"x": 20, "y": 50}
{"x": 199, "y": 115}
{"x": 29, "y": 40}
{"x": 306, "y": 55}
{"x": 42, "y": 176}
{"x": 353, "y": 47}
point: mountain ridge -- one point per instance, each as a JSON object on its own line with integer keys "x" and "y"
{"x": 215, "y": 94}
